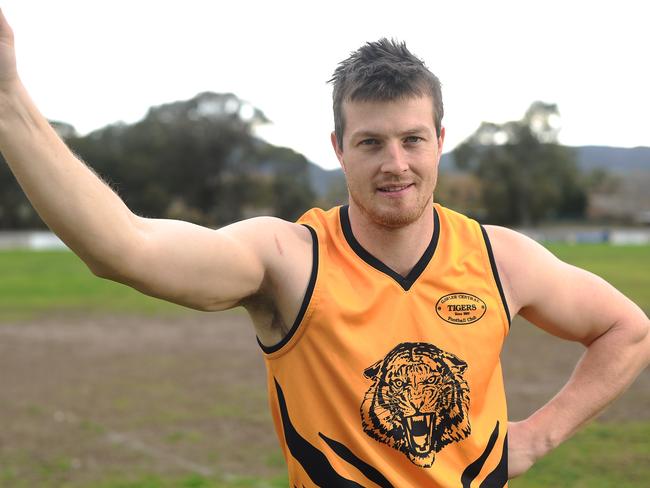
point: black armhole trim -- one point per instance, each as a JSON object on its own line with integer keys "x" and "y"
{"x": 305, "y": 300}
{"x": 495, "y": 272}
{"x": 406, "y": 282}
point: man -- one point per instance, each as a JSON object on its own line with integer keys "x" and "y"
{"x": 381, "y": 322}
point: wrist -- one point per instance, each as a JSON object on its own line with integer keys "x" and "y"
{"x": 542, "y": 430}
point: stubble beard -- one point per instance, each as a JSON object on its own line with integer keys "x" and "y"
{"x": 391, "y": 218}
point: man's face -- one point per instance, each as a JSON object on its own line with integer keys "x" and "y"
{"x": 390, "y": 158}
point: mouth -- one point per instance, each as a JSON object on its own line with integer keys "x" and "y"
{"x": 395, "y": 189}
{"x": 419, "y": 432}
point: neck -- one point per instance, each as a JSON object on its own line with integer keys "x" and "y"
{"x": 399, "y": 248}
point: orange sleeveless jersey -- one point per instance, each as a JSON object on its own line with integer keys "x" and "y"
{"x": 391, "y": 381}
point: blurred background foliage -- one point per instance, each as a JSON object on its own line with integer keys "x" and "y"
{"x": 199, "y": 160}
{"x": 195, "y": 160}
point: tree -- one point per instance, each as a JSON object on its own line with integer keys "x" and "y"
{"x": 199, "y": 160}
{"x": 196, "y": 160}
{"x": 526, "y": 176}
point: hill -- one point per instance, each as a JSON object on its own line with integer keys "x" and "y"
{"x": 622, "y": 162}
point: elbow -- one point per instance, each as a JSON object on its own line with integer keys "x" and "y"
{"x": 102, "y": 271}
{"x": 639, "y": 338}
{"x": 114, "y": 267}
{"x": 645, "y": 340}
{"x": 641, "y": 335}
{"x": 115, "y": 263}
{"x": 629, "y": 338}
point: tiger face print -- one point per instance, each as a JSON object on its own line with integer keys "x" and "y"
{"x": 418, "y": 401}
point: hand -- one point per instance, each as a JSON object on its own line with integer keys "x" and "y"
{"x": 521, "y": 452}
{"x": 8, "y": 72}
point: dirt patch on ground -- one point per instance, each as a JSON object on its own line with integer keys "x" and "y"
{"x": 84, "y": 398}
{"x": 536, "y": 365}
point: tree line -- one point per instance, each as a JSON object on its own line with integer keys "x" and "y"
{"x": 525, "y": 176}
{"x": 196, "y": 160}
{"x": 199, "y": 160}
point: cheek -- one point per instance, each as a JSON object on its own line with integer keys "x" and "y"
{"x": 358, "y": 174}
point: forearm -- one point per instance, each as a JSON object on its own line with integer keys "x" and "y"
{"x": 609, "y": 365}
{"x": 82, "y": 210}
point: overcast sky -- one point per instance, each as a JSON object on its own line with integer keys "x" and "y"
{"x": 94, "y": 62}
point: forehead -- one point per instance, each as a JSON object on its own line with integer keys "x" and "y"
{"x": 388, "y": 117}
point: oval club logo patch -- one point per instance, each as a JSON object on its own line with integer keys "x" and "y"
{"x": 460, "y": 308}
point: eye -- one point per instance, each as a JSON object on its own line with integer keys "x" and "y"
{"x": 412, "y": 139}
{"x": 398, "y": 383}
{"x": 431, "y": 380}
{"x": 368, "y": 142}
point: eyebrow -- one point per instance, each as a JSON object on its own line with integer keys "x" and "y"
{"x": 368, "y": 133}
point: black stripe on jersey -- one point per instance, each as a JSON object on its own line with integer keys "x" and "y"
{"x": 472, "y": 471}
{"x": 495, "y": 272}
{"x": 406, "y": 282}
{"x": 499, "y": 477}
{"x": 313, "y": 461}
{"x": 346, "y": 454}
{"x": 305, "y": 300}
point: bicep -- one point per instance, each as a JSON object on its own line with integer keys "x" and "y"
{"x": 573, "y": 303}
{"x": 195, "y": 266}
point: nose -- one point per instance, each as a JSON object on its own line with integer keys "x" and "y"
{"x": 395, "y": 159}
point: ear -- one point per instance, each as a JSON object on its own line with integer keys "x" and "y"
{"x": 441, "y": 139}
{"x": 337, "y": 150}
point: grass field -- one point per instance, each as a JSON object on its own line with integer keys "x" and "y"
{"x": 37, "y": 283}
{"x": 104, "y": 387}
{"x": 626, "y": 267}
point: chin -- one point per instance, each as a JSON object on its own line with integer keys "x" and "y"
{"x": 392, "y": 217}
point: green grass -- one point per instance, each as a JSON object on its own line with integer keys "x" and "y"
{"x": 35, "y": 283}
{"x": 195, "y": 481}
{"x": 7, "y": 479}
{"x": 600, "y": 456}
{"x": 603, "y": 455}
{"x": 625, "y": 267}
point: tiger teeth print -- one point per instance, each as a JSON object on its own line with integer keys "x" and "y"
{"x": 418, "y": 401}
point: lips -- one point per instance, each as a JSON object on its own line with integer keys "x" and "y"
{"x": 394, "y": 188}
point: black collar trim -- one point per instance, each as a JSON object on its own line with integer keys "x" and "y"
{"x": 406, "y": 282}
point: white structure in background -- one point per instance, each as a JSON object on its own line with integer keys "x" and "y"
{"x": 45, "y": 241}
{"x": 590, "y": 235}
{"x": 36, "y": 240}
{"x": 627, "y": 237}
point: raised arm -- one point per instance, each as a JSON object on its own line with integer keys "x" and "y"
{"x": 177, "y": 261}
{"x": 573, "y": 304}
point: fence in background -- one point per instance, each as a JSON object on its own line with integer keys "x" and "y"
{"x": 44, "y": 240}
{"x": 35, "y": 240}
{"x": 576, "y": 235}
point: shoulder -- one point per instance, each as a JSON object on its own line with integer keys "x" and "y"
{"x": 517, "y": 252}
{"x": 503, "y": 238}
{"x": 320, "y": 219}
{"x": 270, "y": 236}
{"x": 274, "y": 244}
{"x": 526, "y": 267}
{"x": 562, "y": 299}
